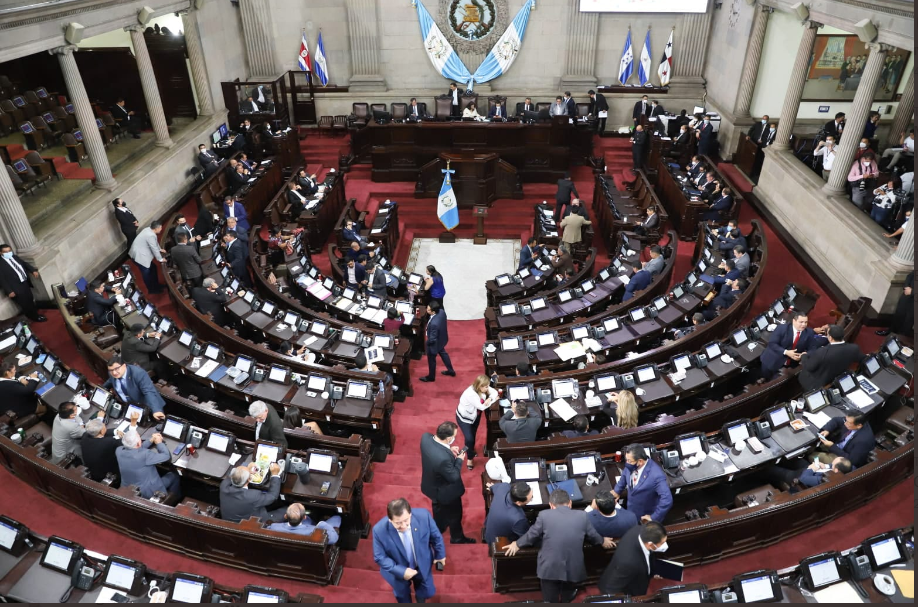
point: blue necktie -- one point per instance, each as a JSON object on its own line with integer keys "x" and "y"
{"x": 842, "y": 444}
{"x": 409, "y": 549}
{"x": 119, "y": 386}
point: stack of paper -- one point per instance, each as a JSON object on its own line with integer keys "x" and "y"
{"x": 563, "y": 409}
{"x": 859, "y": 398}
{"x": 570, "y": 350}
{"x": 536, "y": 493}
{"x": 207, "y": 368}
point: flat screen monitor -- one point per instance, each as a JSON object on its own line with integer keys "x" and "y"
{"x": 690, "y": 446}
{"x": 580, "y": 332}
{"x": 740, "y": 337}
{"x": 165, "y": 325}
{"x": 637, "y": 314}
{"x": 778, "y": 308}
{"x": 605, "y": 383}
{"x": 761, "y": 322}
{"x": 519, "y": 392}
{"x": 73, "y": 381}
{"x": 779, "y": 417}
{"x": 252, "y": 595}
{"x": 538, "y": 303}
{"x": 503, "y": 280}
{"x": 186, "y": 338}
{"x": 8, "y": 535}
{"x": 49, "y": 363}
{"x": 382, "y": 341}
{"x": 815, "y": 401}
{"x": 267, "y": 453}
{"x": 321, "y": 462}
{"x": 583, "y": 465}
{"x": 885, "y": 550}
{"x": 659, "y": 303}
{"x": 564, "y": 388}
{"x": 526, "y": 471}
{"x": 846, "y": 382}
{"x": 212, "y": 351}
{"x": 318, "y": 328}
{"x": 351, "y": 336}
{"x": 611, "y": 324}
{"x": 546, "y": 339}
{"x": 31, "y": 345}
{"x": 349, "y": 293}
{"x": 823, "y": 572}
{"x": 174, "y": 429}
{"x": 357, "y": 389}
{"x": 587, "y": 286}
{"x": 185, "y": 590}
{"x": 564, "y": 296}
{"x": 510, "y": 344}
{"x": 277, "y": 374}
{"x": 218, "y": 442}
{"x": 60, "y": 555}
{"x": 120, "y": 575}
{"x": 215, "y": 137}
{"x": 224, "y": 131}
{"x": 646, "y": 374}
{"x": 758, "y": 588}
{"x": 374, "y": 302}
{"x": 737, "y": 433}
{"x": 713, "y": 351}
{"x": 682, "y": 363}
{"x": 317, "y": 383}
{"x": 683, "y": 596}
{"x": 871, "y": 365}
{"x": 506, "y": 309}
{"x": 402, "y": 306}
{"x": 291, "y": 318}
{"x": 100, "y": 397}
{"x": 892, "y": 347}
{"x": 791, "y": 293}
{"x": 148, "y": 310}
{"x": 268, "y": 308}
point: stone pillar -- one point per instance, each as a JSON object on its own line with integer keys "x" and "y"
{"x": 903, "y": 118}
{"x": 582, "y": 40}
{"x": 92, "y": 140}
{"x": 690, "y": 51}
{"x": 14, "y": 218}
{"x": 198, "y": 66}
{"x": 259, "y": 39}
{"x": 856, "y": 118}
{"x": 363, "y": 34}
{"x": 150, "y": 88}
{"x": 795, "y": 87}
{"x": 904, "y": 257}
{"x": 751, "y": 63}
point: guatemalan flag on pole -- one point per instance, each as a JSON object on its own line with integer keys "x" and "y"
{"x": 303, "y": 59}
{"x": 666, "y": 63}
{"x": 321, "y": 64}
{"x": 447, "y": 205}
{"x": 644, "y": 68}
{"x": 626, "y": 67}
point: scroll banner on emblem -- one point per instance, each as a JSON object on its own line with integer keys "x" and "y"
{"x": 499, "y": 59}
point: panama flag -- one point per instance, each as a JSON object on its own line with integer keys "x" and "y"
{"x": 447, "y": 205}
{"x": 644, "y": 68}
{"x": 321, "y": 65}
{"x": 666, "y": 63}
{"x": 626, "y": 67}
{"x": 303, "y": 59}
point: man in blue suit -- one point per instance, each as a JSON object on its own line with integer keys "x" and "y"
{"x": 132, "y": 385}
{"x": 234, "y": 208}
{"x": 720, "y": 205}
{"x": 788, "y": 344}
{"x": 731, "y": 239}
{"x": 498, "y": 112}
{"x": 729, "y": 293}
{"x": 640, "y": 280}
{"x": 235, "y": 258}
{"x": 137, "y": 463}
{"x": 850, "y": 437}
{"x": 731, "y": 273}
{"x": 649, "y": 496}
{"x": 529, "y": 254}
{"x": 506, "y": 517}
{"x": 351, "y": 233}
{"x": 705, "y": 134}
{"x": 406, "y": 545}
{"x": 437, "y": 338}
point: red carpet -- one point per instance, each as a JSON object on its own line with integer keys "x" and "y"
{"x": 468, "y": 572}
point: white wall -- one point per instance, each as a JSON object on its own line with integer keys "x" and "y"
{"x": 120, "y": 37}
{"x": 290, "y": 17}
{"x": 727, "y": 52}
{"x": 223, "y": 44}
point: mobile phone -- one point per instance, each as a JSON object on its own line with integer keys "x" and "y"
{"x": 325, "y": 487}
{"x": 178, "y": 450}
{"x": 439, "y": 566}
{"x": 463, "y": 450}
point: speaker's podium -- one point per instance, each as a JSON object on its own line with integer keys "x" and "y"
{"x": 479, "y": 178}
{"x": 480, "y": 213}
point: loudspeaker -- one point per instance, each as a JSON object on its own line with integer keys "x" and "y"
{"x": 73, "y": 33}
{"x": 144, "y": 16}
{"x": 800, "y": 10}
{"x": 865, "y": 30}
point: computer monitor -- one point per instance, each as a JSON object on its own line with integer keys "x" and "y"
{"x": 175, "y": 428}
{"x": 565, "y": 388}
{"x": 737, "y": 432}
{"x": 219, "y": 442}
{"x": 637, "y": 314}
{"x": 322, "y": 462}
{"x": 605, "y": 383}
{"x": 258, "y": 594}
{"x": 681, "y": 595}
{"x": 317, "y": 383}
{"x": 885, "y": 550}
{"x": 758, "y": 587}
{"x": 61, "y": 555}
{"x": 189, "y": 588}
{"x": 350, "y": 336}
{"x": 358, "y": 389}
{"x": 215, "y": 137}
{"x": 224, "y": 132}
{"x": 520, "y": 392}
{"x": 815, "y": 401}
{"x": 508, "y": 309}
{"x": 580, "y": 332}
{"x": 73, "y": 381}
{"x": 646, "y": 374}
{"x": 778, "y": 417}
{"x": 511, "y": 344}
{"x": 822, "y": 570}
{"x": 278, "y": 374}
{"x": 611, "y": 324}
{"x": 123, "y": 574}
{"x": 212, "y": 351}
{"x": 527, "y": 471}
{"x": 690, "y": 445}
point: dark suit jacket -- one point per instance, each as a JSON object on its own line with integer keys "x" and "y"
{"x": 640, "y": 280}
{"x": 308, "y": 186}
{"x": 526, "y": 257}
{"x": 769, "y": 138}
{"x": 441, "y": 472}
{"x": 139, "y": 389}
{"x": 273, "y": 429}
{"x": 9, "y": 279}
{"x": 121, "y": 113}
{"x": 206, "y": 158}
{"x": 137, "y": 351}
{"x": 18, "y": 398}
{"x": 126, "y": 220}
{"x": 240, "y": 503}
{"x": 651, "y": 496}
{"x": 772, "y": 359}
{"x": 723, "y": 203}
{"x": 627, "y": 572}
{"x": 236, "y": 180}
{"x": 437, "y": 334}
{"x": 505, "y": 519}
{"x": 297, "y": 206}
{"x": 656, "y": 111}
{"x": 211, "y": 303}
{"x": 99, "y": 306}
{"x": 186, "y": 259}
{"x": 756, "y": 130}
{"x": 571, "y": 107}
{"x": 858, "y": 448}
{"x": 831, "y": 129}
{"x": 204, "y": 224}
{"x": 651, "y": 221}
{"x": 562, "y": 532}
{"x": 565, "y": 189}
{"x": 636, "y": 113}
{"x": 707, "y": 135}
{"x": 250, "y": 106}
{"x": 99, "y": 454}
{"x": 640, "y": 139}
{"x": 235, "y": 257}
{"x": 493, "y": 112}
{"x": 598, "y": 104}
{"x": 521, "y": 430}
{"x": 683, "y": 139}
{"x": 825, "y": 364}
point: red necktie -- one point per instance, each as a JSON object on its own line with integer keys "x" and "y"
{"x": 793, "y": 347}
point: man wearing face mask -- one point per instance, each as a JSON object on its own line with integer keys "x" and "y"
{"x": 863, "y": 147}
{"x": 757, "y": 131}
{"x": 827, "y": 150}
{"x": 15, "y": 282}
{"x": 629, "y": 572}
{"x": 705, "y": 134}
{"x": 649, "y": 496}
{"x": 441, "y": 480}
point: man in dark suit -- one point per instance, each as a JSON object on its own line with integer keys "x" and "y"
{"x": 730, "y": 273}
{"x": 126, "y": 118}
{"x": 729, "y": 293}
{"x": 770, "y": 134}
{"x": 454, "y": 95}
{"x": 506, "y": 517}
{"x": 498, "y": 112}
{"x": 268, "y": 424}
{"x": 186, "y": 259}
{"x": 237, "y": 178}
{"x": 640, "y": 280}
{"x": 100, "y": 307}
{"x": 850, "y": 437}
{"x": 756, "y": 132}
{"x": 182, "y": 227}
{"x": 560, "y": 533}
{"x": 705, "y": 135}
{"x": 406, "y": 544}
{"x": 649, "y": 496}
{"x": 137, "y": 347}
{"x": 17, "y": 394}
{"x": 629, "y": 571}
{"x": 825, "y": 364}
{"x": 526, "y": 106}
{"x": 296, "y": 199}
{"x": 249, "y": 106}
{"x": 570, "y": 104}
{"x": 98, "y": 446}
{"x": 650, "y": 222}
{"x": 235, "y": 258}
{"x": 351, "y": 233}
{"x": 529, "y": 253}
{"x": 834, "y": 127}
{"x": 208, "y": 161}
{"x": 307, "y": 183}
{"x": 415, "y": 112}
{"x": 441, "y": 480}
{"x": 238, "y": 502}
{"x": 694, "y": 167}
{"x": 15, "y": 282}
{"x": 656, "y": 110}
{"x": 138, "y": 461}
{"x": 719, "y": 205}
{"x": 641, "y": 110}
{"x": 234, "y": 208}
{"x": 126, "y": 220}
{"x": 788, "y": 344}
{"x": 710, "y": 187}
{"x": 209, "y": 300}
{"x": 437, "y": 337}
{"x": 598, "y": 104}
{"x": 734, "y": 237}
{"x": 131, "y": 384}
{"x": 607, "y": 520}
{"x": 639, "y": 142}
{"x": 521, "y": 423}
{"x": 683, "y": 140}
{"x": 566, "y": 188}
{"x": 798, "y": 476}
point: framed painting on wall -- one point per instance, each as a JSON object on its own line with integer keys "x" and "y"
{"x": 836, "y": 67}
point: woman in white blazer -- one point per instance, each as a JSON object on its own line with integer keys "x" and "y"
{"x": 476, "y": 398}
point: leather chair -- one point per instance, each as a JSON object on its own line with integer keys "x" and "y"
{"x": 377, "y": 107}
{"x": 76, "y": 151}
{"x": 26, "y": 174}
{"x": 39, "y": 104}
{"x": 491, "y": 104}
{"x": 442, "y": 108}
{"x": 54, "y": 125}
{"x": 399, "y": 111}
{"x": 35, "y": 139}
{"x": 583, "y": 109}
{"x": 68, "y": 120}
{"x": 51, "y": 135}
{"x": 465, "y": 100}
{"x": 18, "y": 115}
{"x": 21, "y": 186}
{"x": 340, "y": 125}
{"x": 8, "y": 86}
{"x": 543, "y": 105}
{"x": 361, "y": 113}
{"x": 6, "y": 123}
{"x": 49, "y": 99}
{"x": 27, "y": 108}
{"x": 42, "y": 167}
{"x": 108, "y": 121}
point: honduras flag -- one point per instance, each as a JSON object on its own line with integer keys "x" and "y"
{"x": 625, "y": 68}
{"x": 447, "y": 205}
{"x": 440, "y": 51}
{"x": 321, "y": 64}
{"x": 507, "y": 48}
{"x": 644, "y": 67}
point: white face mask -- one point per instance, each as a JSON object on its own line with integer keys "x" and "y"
{"x": 764, "y": 121}
{"x": 662, "y": 547}
{"x": 829, "y": 142}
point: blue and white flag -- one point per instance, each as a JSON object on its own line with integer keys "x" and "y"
{"x": 644, "y": 67}
{"x": 440, "y": 51}
{"x": 321, "y": 64}
{"x": 626, "y": 67}
{"x": 507, "y": 48}
{"x": 447, "y": 205}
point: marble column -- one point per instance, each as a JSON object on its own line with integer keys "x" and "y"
{"x": 904, "y": 257}
{"x": 198, "y": 66}
{"x": 582, "y": 40}
{"x": 92, "y": 140}
{"x": 14, "y": 219}
{"x": 691, "y": 49}
{"x": 150, "y": 88}
{"x": 905, "y": 112}
{"x": 856, "y": 117}
{"x": 363, "y": 35}
{"x": 795, "y": 86}
{"x": 751, "y": 63}
{"x": 259, "y": 38}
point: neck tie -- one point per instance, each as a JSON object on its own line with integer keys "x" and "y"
{"x": 793, "y": 346}
{"x": 18, "y": 269}
{"x": 119, "y": 387}
{"x": 409, "y": 549}
{"x": 634, "y": 478}
{"x": 844, "y": 442}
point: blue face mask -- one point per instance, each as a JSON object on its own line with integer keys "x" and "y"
{"x": 630, "y": 467}
{"x": 8, "y": 255}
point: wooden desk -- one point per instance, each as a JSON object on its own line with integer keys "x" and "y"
{"x": 479, "y": 178}
{"x": 684, "y": 213}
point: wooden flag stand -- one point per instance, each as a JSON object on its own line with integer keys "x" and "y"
{"x": 447, "y": 236}
{"x": 480, "y": 213}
